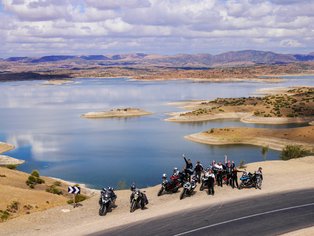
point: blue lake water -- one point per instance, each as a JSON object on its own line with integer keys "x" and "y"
{"x": 44, "y": 123}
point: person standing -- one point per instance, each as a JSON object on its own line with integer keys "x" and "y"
{"x": 211, "y": 183}
{"x": 188, "y": 167}
{"x": 234, "y": 177}
{"x": 198, "y": 171}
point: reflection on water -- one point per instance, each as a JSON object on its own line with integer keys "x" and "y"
{"x": 44, "y": 123}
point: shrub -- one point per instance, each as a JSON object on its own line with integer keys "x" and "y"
{"x": 293, "y": 151}
{"x": 78, "y": 198}
{"x": 57, "y": 183}
{"x": 4, "y": 215}
{"x": 242, "y": 164}
{"x": 35, "y": 173}
{"x": 34, "y": 179}
{"x": 11, "y": 166}
{"x": 13, "y": 207}
{"x": 53, "y": 189}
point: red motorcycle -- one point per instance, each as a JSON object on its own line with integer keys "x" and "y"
{"x": 171, "y": 186}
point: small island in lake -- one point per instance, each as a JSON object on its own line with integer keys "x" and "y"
{"x": 116, "y": 113}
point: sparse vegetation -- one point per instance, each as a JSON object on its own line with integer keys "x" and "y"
{"x": 34, "y": 179}
{"x": 78, "y": 198}
{"x": 242, "y": 164}
{"x": 264, "y": 152}
{"x": 53, "y": 189}
{"x": 297, "y": 103}
{"x": 11, "y": 166}
{"x": 4, "y": 215}
{"x": 121, "y": 185}
{"x": 13, "y": 207}
{"x": 293, "y": 151}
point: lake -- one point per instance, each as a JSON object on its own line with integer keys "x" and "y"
{"x": 44, "y": 124}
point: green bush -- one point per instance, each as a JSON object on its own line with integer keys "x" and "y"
{"x": 53, "y": 189}
{"x": 293, "y": 151}
{"x": 34, "y": 179}
{"x": 4, "y": 215}
{"x": 78, "y": 198}
{"x": 11, "y": 166}
{"x": 57, "y": 183}
{"x": 35, "y": 173}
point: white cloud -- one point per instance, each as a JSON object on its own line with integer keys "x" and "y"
{"x": 290, "y": 43}
{"x": 79, "y": 26}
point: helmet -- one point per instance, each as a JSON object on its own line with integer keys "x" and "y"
{"x": 164, "y": 176}
{"x": 110, "y": 188}
{"x": 104, "y": 189}
{"x": 175, "y": 169}
{"x": 133, "y": 187}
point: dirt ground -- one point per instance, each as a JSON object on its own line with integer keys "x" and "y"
{"x": 66, "y": 220}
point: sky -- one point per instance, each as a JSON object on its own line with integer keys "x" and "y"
{"x": 88, "y": 27}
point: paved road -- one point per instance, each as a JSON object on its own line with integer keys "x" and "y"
{"x": 267, "y": 215}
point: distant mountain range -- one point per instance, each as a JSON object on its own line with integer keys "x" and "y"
{"x": 245, "y": 57}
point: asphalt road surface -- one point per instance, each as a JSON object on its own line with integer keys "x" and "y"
{"x": 267, "y": 215}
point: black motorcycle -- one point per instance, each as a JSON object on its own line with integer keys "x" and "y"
{"x": 106, "y": 202}
{"x": 188, "y": 188}
{"x": 138, "y": 200}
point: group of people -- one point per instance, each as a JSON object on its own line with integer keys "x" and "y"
{"x": 216, "y": 173}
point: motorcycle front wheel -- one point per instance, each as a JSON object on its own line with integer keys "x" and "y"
{"x": 202, "y": 187}
{"x": 160, "y": 191}
{"x": 102, "y": 210}
{"x": 133, "y": 206}
{"x": 182, "y": 194}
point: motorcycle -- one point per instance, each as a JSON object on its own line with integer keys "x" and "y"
{"x": 138, "y": 201}
{"x": 188, "y": 188}
{"x": 249, "y": 180}
{"x": 169, "y": 186}
{"x": 106, "y": 202}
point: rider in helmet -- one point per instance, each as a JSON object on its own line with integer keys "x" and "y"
{"x": 112, "y": 193}
{"x": 134, "y": 189}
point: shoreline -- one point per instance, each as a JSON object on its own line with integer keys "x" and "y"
{"x": 116, "y": 113}
{"x": 242, "y": 116}
{"x": 85, "y": 219}
{"x": 276, "y": 140}
{"x": 7, "y": 160}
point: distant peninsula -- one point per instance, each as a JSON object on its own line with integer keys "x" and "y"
{"x": 6, "y": 160}
{"x": 117, "y": 113}
{"x": 292, "y": 105}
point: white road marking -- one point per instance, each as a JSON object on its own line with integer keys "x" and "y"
{"x": 244, "y": 217}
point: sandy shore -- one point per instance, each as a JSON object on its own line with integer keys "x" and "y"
{"x": 58, "y": 82}
{"x": 242, "y": 116}
{"x": 6, "y": 160}
{"x": 66, "y": 220}
{"x": 278, "y": 90}
{"x": 274, "y": 139}
{"x": 116, "y": 113}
